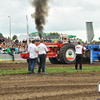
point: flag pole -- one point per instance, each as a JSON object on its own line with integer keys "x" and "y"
{"x": 27, "y": 29}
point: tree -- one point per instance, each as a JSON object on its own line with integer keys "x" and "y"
{"x": 54, "y": 33}
{"x": 0, "y": 34}
{"x": 9, "y": 38}
{"x": 14, "y": 37}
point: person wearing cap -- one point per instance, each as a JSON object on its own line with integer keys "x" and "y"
{"x": 33, "y": 54}
{"x": 79, "y": 51}
{"x": 42, "y": 50}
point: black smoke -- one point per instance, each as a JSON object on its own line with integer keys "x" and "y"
{"x": 40, "y": 14}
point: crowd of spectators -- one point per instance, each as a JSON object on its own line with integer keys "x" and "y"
{"x": 17, "y": 46}
{"x": 75, "y": 41}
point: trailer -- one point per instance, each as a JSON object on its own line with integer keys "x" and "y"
{"x": 94, "y": 53}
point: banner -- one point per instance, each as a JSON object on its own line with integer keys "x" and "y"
{"x": 27, "y": 29}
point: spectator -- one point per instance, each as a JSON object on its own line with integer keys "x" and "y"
{"x": 1, "y": 40}
{"x": 9, "y": 42}
{"x": 75, "y": 42}
{"x": 86, "y": 43}
{"x": 16, "y": 41}
{"x": 47, "y": 40}
{"x": 50, "y": 40}
{"x": 68, "y": 40}
{"x": 13, "y": 44}
{"x": 38, "y": 40}
{"x": 5, "y": 50}
{"x": 26, "y": 47}
{"x": 23, "y": 41}
{"x": 16, "y": 49}
{"x": 71, "y": 41}
{"x": 65, "y": 40}
{"x": 59, "y": 40}
{"x": 1, "y": 51}
{"x": 20, "y": 43}
{"x": 9, "y": 52}
{"x": 21, "y": 49}
{"x": 12, "y": 49}
{"x": 29, "y": 40}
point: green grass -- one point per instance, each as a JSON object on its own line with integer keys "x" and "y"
{"x": 72, "y": 69}
{"x": 13, "y": 71}
{"x": 51, "y": 70}
{"x": 20, "y": 61}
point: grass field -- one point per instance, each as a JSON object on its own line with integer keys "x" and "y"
{"x": 51, "y": 70}
{"x": 17, "y": 61}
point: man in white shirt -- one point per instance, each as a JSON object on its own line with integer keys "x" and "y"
{"x": 33, "y": 54}
{"x": 79, "y": 51}
{"x": 28, "y": 60}
{"x": 42, "y": 49}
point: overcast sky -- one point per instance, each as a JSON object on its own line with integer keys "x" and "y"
{"x": 65, "y": 16}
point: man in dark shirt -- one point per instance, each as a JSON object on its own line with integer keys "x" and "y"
{"x": 1, "y": 40}
{"x": 50, "y": 40}
{"x": 16, "y": 40}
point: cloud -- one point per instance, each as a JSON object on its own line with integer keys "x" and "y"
{"x": 64, "y": 16}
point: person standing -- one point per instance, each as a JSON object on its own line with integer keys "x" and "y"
{"x": 79, "y": 51}
{"x": 42, "y": 49}
{"x": 33, "y": 54}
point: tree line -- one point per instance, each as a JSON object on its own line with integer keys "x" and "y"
{"x": 15, "y": 36}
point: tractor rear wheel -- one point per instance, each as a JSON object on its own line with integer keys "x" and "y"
{"x": 54, "y": 61}
{"x": 67, "y": 54}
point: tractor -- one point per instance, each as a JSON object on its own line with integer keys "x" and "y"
{"x": 59, "y": 52}
{"x": 64, "y": 53}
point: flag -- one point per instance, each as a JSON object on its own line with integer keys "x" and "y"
{"x": 27, "y": 29}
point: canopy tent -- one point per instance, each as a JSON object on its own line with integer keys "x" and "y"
{"x": 33, "y": 34}
{"x": 71, "y": 36}
{"x": 45, "y": 34}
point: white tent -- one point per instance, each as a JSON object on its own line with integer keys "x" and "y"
{"x": 22, "y": 37}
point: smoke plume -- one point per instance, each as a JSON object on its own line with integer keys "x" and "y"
{"x": 40, "y": 14}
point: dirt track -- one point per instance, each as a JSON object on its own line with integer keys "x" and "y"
{"x": 25, "y": 65}
{"x": 61, "y": 86}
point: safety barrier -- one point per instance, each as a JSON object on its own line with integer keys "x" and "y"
{"x": 7, "y": 57}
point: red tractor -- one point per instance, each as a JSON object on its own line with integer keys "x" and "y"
{"x": 58, "y": 53}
